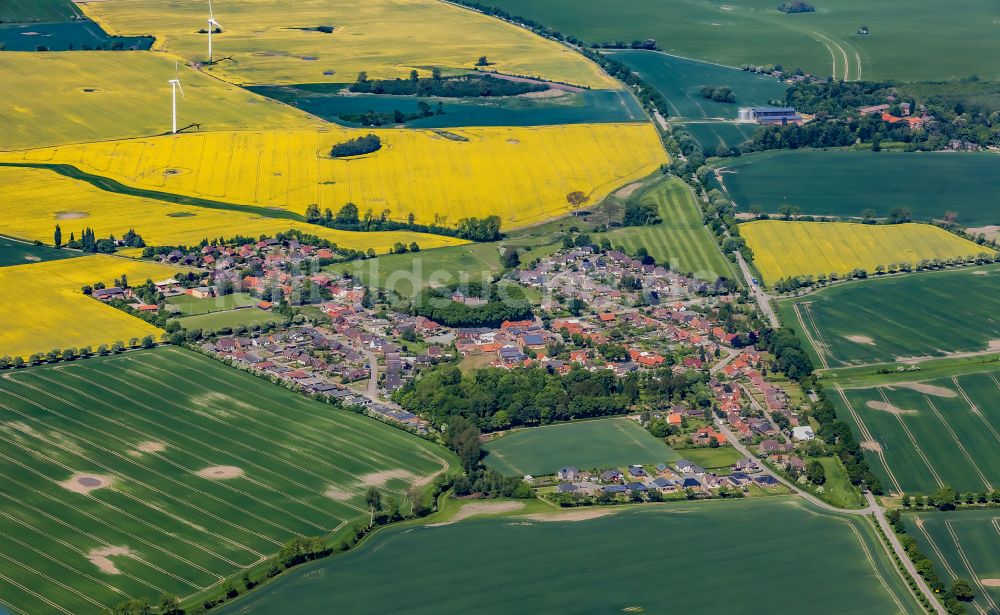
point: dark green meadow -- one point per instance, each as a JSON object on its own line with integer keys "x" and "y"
{"x": 748, "y": 556}
{"x": 14, "y": 252}
{"x": 846, "y": 183}
{"x": 923, "y": 314}
{"x": 592, "y": 106}
{"x": 680, "y": 80}
{"x": 150, "y": 422}
{"x": 944, "y": 432}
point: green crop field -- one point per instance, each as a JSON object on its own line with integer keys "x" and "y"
{"x": 165, "y": 471}
{"x": 38, "y": 10}
{"x": 919, "y": 436}
{"x": 680, "y": 240}
{"x": 846, "y": 183}
{"x": 586, "y": 445}
{"x": 19, "y": 253}
{"x": 886, "y": 319}
{"x": 590, "y": 106}
{"x": 679, "y": 80}
{"x": 962, "y": 545}
{"x": 606, "y": 565}
{"x": 716, "y": 135}
{"x": 918, "y": 42}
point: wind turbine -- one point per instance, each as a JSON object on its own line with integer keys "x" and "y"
{"x": 175, "y": 84}
{"x": 212, "y": 24}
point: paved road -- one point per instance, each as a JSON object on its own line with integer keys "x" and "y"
{"x": 763, "y": 299}
{"x": 897, "y": 546}
{"x": 730, "y": 355}
{"x": 873, "y": 508}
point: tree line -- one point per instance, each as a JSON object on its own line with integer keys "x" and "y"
{"x": 464, "y": 86}
{"x": 349, "y": 218}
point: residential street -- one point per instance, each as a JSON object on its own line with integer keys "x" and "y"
{"x": 763, "y": 299}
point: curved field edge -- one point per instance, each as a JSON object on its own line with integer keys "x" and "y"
{"x": 519, "y": 546}
{"x": 522, "y": 175}
{"x": 37, "y": 197}
{"x": 785, "y": 249}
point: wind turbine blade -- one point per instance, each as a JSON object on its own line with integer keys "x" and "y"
{"x": 210, "y": 13}
{"x": 180, "y": 88}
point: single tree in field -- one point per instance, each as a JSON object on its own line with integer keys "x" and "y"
{"x": 57, "y": 237}
{"x": 482, "y": 61}
{"x": 868, "y": 214}
{"x": 374, "y": 501}
{"x": 961, "y": 590}
{"x": 169, "y": 605}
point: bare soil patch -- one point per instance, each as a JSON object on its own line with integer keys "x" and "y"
{"x": 83, "y": 482}
{"x": 990, "y": 582}
{"x": 992, "y": 231}
{"x": 378, "y": 479}
{"x": 861, "y": 339}
{"x": 152, "y": 447}
{"x": 101, "y": 558}
{"x": 481, "y": 508}
{"x": 549, "y": 93}
{"x": 221, "y": 472}
{"x": 626, "y": 191}
{"x": 871, "y": 445}
{"x": 573, "y": 515}
{"x": 513, "y": 142}
{"x": 71, "y": 215}
{"x": 884, "y": 407}
{"x": 928, "y": 389}
{"x": 336, "y": 493}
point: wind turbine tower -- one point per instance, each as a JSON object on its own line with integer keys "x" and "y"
{"x": 212, "y": 24}
{"x": 175, "y": 84}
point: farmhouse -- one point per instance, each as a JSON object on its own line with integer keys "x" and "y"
{"x": 770, "y": 116}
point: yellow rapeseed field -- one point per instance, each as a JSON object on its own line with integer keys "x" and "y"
{"x": 523, "y": 175}
{"x": 35, "y": 200}
{"x": 788, "y": 248}
{"x": 271, "y": 42}
{"x": 43, "y": 307}
{"x": 57, "y": 98}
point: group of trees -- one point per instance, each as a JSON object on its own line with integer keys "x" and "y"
{"x": 501, "y": 303}
{"x": 89, "y": 242}
{"x": 641, "y": 213}
{"x": 377, "y": 118}
{"x": 796, "y": 6}
{"x": 840, "y": 441}
{"x": 790, "y": 358}
{"x": 349, "y": 218}
{"x": 492, "y": 399}
{"x": 357, "y": 146}
{"x": 947, "y": 498}
{"x": 721, "y": 94}
{"x": 464, "y": 86}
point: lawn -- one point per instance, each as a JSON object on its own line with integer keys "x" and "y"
{"x": 230, "y": 318}
{"x": 962, "y": 545}
{"x": 919, "y": 436}
{"x": 846, "y": 183}
{"x": 586, "y": 445}
{"x": 269, "y": 44}
{"x": 524, "y": 175}
{"x": 57, "y": 98}
{"x": 679, "y": 80}
{"x": 13, "y": 252}
{"x": 190, "y": 305}
{"x": 921, "y": 42}
{"x": 589, "y": 106}
{"x": 36, "y": 200}
{"x": 887, "y": 319}
{"x": 838, "y": 489}
{"x": 49, "y": 310}
{"x": 784, "y": 249}
{"x": 680, "y": 241}
{"x": 716, "y": 460}
{"x": 211, "y": 470}
{"x": 595, "y": 565}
